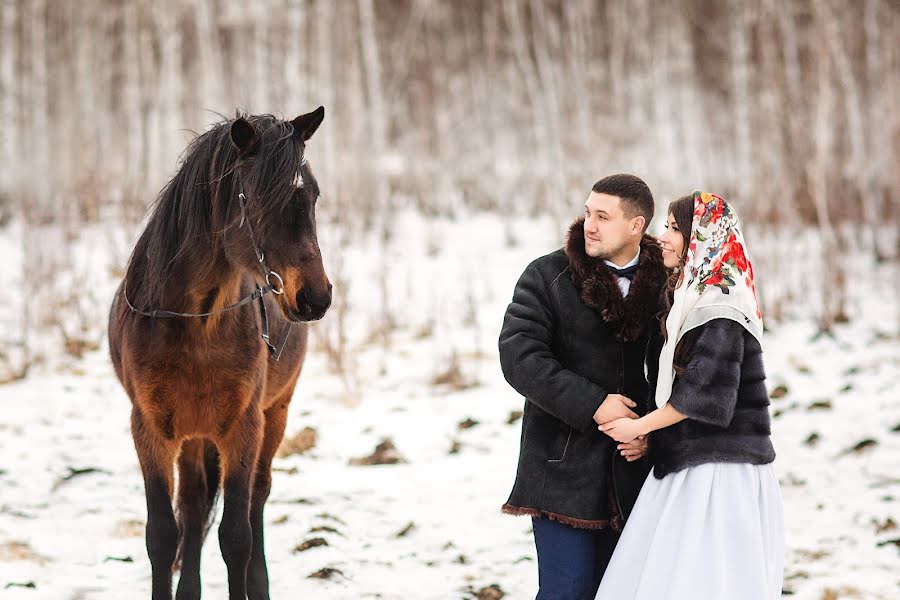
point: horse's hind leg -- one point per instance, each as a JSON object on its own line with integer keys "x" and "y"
{"x": 238, "y": 451}
{"x": 156, "y": 453}
{"x": 198, "y": 480}
{"x": 257, "y": 573}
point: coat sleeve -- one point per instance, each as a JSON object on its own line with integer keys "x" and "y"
{"x": 707, "y": 391}
{"x": 529, "y": 364}
{"x": 651, "y": 365}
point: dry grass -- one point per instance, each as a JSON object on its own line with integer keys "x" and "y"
{"x": 303, "y": 441}
{"x": 129, "y": 528}
{"x": 19, "y": 550}
{"x": 452, "y": 376}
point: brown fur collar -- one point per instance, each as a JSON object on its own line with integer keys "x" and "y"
{"x": 598, "y": 289}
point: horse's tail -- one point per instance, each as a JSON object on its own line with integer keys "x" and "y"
{"x": 213, "y": 480}
{"x": 207, "y": 470}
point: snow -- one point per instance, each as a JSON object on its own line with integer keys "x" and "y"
{"x": 443, "y": 285}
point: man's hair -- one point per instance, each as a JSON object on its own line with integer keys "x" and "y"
{"x": 635, "y": 194}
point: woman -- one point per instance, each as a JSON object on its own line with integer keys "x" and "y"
{"x": 708, "y": 523}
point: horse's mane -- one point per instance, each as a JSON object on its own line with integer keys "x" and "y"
{"x": 193, "y": 210}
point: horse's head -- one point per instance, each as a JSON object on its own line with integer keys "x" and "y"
{"x": 280, "y": 194}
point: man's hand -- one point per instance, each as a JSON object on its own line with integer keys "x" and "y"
{"x": 616, "y": 406}
{"x": 635, "y": 449}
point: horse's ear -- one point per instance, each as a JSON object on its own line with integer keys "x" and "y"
{"x": 305, "y": 125}
{"x": 243, "y": 134}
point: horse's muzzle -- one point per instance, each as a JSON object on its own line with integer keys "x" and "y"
{"x": 311, "y": 307}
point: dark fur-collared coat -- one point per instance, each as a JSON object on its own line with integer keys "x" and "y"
{"x": 569, "y": 338}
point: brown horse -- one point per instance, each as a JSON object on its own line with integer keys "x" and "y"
{"x": 230, "y": 241}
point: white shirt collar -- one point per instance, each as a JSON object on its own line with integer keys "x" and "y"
{"x": 630, "y": 263}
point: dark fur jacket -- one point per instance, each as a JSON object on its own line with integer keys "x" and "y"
{"x": 569, "y": 339}
{"x": 722, "y": 392}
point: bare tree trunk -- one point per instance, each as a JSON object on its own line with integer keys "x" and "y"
{"x": 546, "y": 39}
{"x": 663, "y": 74}
{"x": 478, "y": 107}
{"x": 740, "y": 78}
{"x": 798, "y": 142}
{"x": 260, "y": 75}
{"x": 83, "y": 98}
{"x": 775, "y": 186}
{"x": 832, "y": 270}
{"x": 396, "y": 78}
{"x": 296, "y": 72}
{"x": 577, "y": 18}
{"x": 104, "y": 52}
{"x": 136, "y": 168}
{"x": 325, "y": 140}
{"x": 148, "y": 97}
{"x": 617, "y": 35}
{"x": 8, "y": 113}
{"x": 210, "y": 57}
{"x": 376, "y": 115}
{"x": 39, "y": 134}
{"x": 538, "y": 159}
{"x": 170, "y": 89}
{"x": 879, "y": 109}
{"x": 639, "y": 81}
{"x": 856, "y": 162}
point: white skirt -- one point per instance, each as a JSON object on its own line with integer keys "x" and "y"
{"x": 710, "y": 532}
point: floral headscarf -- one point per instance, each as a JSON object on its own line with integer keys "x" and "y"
{"x": 718, "y": 283}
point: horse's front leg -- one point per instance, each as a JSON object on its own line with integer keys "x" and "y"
{"x": 156, "y": 453}
{"x": 239, "y": 449}
{"x": 257, "y": 572}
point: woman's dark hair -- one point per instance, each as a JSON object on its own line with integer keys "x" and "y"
{"x": 683, "y": 212}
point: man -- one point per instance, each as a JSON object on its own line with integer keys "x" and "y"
{"x": 573, "y": 343}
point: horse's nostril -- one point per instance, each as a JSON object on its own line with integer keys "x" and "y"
{"x": 330, "y": 288}
{"x": 313, "y": 306}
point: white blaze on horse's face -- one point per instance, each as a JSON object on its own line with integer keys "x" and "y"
{"x": 298, "y": 178}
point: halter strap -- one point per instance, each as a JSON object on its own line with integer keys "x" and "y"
{"x": 257, "y": 294}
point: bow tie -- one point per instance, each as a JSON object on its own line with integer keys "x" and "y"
{"x": 627, "y": 272}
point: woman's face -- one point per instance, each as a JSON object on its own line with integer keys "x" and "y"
{"x": 672, "y": 244}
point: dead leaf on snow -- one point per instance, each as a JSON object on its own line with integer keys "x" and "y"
{"x": 385, "y": 454}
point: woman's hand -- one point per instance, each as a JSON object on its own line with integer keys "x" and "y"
{"x": 623, "y": 430}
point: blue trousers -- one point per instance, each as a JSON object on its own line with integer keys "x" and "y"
{"x": 571, "y": 561}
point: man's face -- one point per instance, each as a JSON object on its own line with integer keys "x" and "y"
{"x": 607, "y": 230}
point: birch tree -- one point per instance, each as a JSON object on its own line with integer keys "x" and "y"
{"x": 9, "y": 88}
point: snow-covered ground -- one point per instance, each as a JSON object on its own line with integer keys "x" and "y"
{"x": 429, "y": 527}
